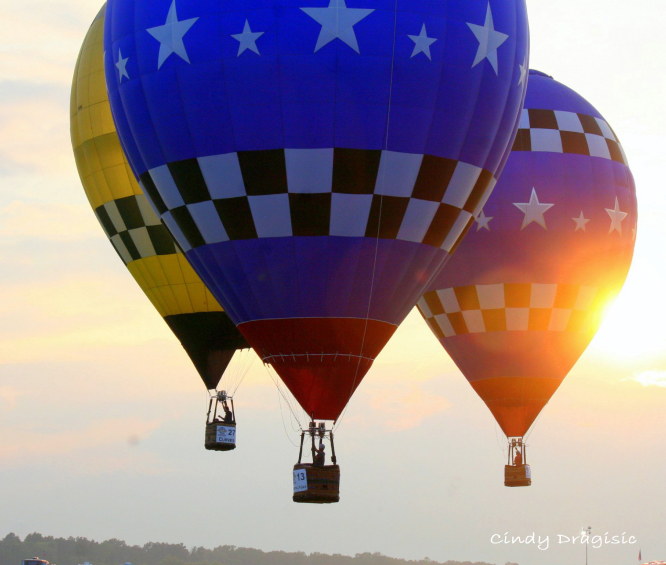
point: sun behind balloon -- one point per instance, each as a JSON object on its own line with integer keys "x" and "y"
{"x": 523, "y": 295}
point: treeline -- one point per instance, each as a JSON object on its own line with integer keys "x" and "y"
{"x": 74, "y": 551}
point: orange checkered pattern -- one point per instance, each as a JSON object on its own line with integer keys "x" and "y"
{"x": 511, "y": 307}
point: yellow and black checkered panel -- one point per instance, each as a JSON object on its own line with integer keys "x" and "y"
{"x": 134, "y": 229}
{"x": 512, "y": 307}
{"x": 137, "y": 234}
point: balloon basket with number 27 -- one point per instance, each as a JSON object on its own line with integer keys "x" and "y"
{"x": 216, "y": 440}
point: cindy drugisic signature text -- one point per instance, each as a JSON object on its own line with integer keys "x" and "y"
{"x": 543, "y": 542}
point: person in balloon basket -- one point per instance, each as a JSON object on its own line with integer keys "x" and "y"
{"x": 320, "y": 456}
{"x": 228, "y": 417}
{"x": 518, "y": 459}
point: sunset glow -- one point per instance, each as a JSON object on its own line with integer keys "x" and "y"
{"x": 102, "y": 411}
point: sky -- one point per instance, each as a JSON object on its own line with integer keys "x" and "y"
{"x": 102, "y": 414}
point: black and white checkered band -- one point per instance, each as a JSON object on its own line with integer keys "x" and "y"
{"x": 134, "y": 229}
{"x": 318, "y": 192}
{"x": 511, "y": 307}
{"x": 567, "y": 132}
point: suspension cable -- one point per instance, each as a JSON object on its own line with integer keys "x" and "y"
{"x": 282, "y": 418}
{"x": 499, "y": 445}
{"x": 247, "y": 359}
{"x": 277, "y": 386}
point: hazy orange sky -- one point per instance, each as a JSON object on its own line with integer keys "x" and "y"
{"x": 101, "y": 413}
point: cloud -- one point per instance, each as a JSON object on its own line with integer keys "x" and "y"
{"x": 39, "y": 46}
{"x": 649, "y": 378}
{"x": 407, "y": 406}
{"x": 35, "y": 129}
{"x": 45, "y": 38}
{"x": 63, "y": 318}
{"x": 101, "y": 446}
{"x": 9, "y": 395}
{"x": 410, "y": 405}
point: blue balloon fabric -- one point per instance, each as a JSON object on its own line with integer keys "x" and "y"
{"x": 317, "y": 160}
{"x": 524, "y": 294}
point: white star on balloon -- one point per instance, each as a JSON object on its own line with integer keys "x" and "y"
{"x": 616, "y": 216}
{"x": 170, "y": 36}
{"x": 337, "y": 22}
{"x": 482, "y": 221}
{"x": 489, "y": 40}
{"x": 523, "y": 72}
{"x": 247, "y": 39}
{"x": 580, "y": 222}
{"x": 533, "y": 210}
{"x": 121, "y": 65}
{"x": 422, "y": 43}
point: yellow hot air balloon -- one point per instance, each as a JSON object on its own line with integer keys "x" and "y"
{"x": 145, "y": 245}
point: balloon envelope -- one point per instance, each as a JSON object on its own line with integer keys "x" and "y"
{"x": 522, "y": 297}
{"x": 317, "y": 161}
{"x": 137, "y": 234}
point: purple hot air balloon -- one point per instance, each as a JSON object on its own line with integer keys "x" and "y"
{"x": 522, "y": 296}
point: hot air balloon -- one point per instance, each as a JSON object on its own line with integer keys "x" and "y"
{"x": 143, "y": 243}
{"x": 522, "y": 297}
{"x": 317, "y": 162}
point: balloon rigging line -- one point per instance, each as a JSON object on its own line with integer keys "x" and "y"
{"x": 247, "y": 370}
{"x": 296, "y": 409}
{"x": 283, "y": 396}
{"x": 379, "y": 221}
{"x": 238, "y": 372}
{"x": 284, "y": 427}
{"x": 246, "y": 361}
{"x": 293, "y": 409}
{"x": 277, "y": 386}
{"x": 295, "y": 424}
{"x": 282, "y": 418}
{"x": 294, "y": 421}
{"x": 228, "y": 378}
{"x": 529, "y": 432}
{"x": 499, "y": 445}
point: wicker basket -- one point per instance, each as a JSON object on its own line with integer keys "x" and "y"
{"x": 222, "y": 441}
{"x": 323, "y": 484}
{"x": 517, "y": 476}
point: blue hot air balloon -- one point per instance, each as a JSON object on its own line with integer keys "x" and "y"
{"x": 317, "y": 160}
{"x": 523, "y": 296}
